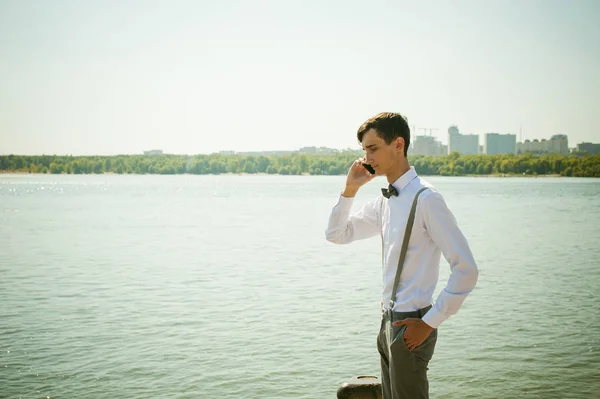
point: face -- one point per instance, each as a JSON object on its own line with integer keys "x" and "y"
{"x": 381, "y": 156}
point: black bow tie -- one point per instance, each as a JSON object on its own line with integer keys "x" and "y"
{"x": 388, "y": 192}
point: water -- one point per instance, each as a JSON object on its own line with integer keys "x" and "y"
{"x": 224, "y": 287}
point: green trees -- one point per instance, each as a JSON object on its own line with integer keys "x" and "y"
{"x": 296, "y": 164}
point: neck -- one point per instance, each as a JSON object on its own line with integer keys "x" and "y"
{"x": 398, "y": 170}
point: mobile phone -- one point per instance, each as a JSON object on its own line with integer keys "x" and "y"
{"x": 369, "y": 168}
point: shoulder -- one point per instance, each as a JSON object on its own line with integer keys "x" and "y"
{"x": 430, "y": 191}
{"x": 430, "y": 197}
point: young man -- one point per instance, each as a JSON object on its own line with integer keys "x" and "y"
{"x": 408, "y": 333}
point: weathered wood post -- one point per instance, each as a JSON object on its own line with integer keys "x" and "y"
{"x": 361, "y": 387}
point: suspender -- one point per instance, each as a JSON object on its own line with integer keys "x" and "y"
{"x": 408, "y": 231}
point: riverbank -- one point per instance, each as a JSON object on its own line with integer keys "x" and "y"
{"x": 507, "y": 165}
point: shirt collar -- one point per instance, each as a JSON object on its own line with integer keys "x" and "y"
{"x": 405, "y": 179}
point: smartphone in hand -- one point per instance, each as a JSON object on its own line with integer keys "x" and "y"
{"x": 369, "y": 168}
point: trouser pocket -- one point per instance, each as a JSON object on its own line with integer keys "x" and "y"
{"x": 398, "y": 337}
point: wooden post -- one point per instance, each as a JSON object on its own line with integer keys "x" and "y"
{"x": 361, "y": 387}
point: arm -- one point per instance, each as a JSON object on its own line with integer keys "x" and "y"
{"x": 445, "y": 233}
{"x": 344, "y": 228}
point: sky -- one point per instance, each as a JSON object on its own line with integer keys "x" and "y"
{"x": 195, "y": 77}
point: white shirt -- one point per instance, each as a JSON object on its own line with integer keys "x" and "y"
{"x": 435, "y": 231}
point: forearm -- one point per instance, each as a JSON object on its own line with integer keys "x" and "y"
{"x": 344, "y": 228}
{"x": 339, "y": 229}
{"x": 460, "y": 284}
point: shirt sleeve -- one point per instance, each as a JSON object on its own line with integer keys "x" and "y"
{"x": 445, "y": 233}
{"x": 344, "y": 228}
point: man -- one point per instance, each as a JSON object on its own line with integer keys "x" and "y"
{"x": 408, "y": 333}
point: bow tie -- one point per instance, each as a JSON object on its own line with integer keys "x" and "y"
{"x": 388, "y": 192}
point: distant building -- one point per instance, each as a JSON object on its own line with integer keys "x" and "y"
{"x": 226, "y": 152}
{"x": 495, "y": 143}
{"x": 317, "y": 150}
{"x": 590, "y": 148}
{"x": 153, "y": 152}
{"x": 462, "y": 143}
{"x": 326, "y": 150}
{"x": 303, "y": 150}
{"x": 264, "y": 153}
{"x": 428, "y": 145}
{"x": 558, "y": 144}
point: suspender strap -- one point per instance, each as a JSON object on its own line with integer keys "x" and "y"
{"x": 409, "y": 226}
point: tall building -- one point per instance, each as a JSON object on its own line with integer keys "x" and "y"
{"x": 428, "y": 145}
{"x": 495, "y": 143}
{"x": 558, "y": 143}
{"x": 590, "y": 148}
{"x": 462, "y": 143}
{"x": 470, "y": 144}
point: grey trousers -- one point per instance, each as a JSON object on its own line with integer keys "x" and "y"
{"x": 403, "y": 372}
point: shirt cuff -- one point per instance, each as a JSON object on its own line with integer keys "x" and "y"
{"x": 345, "y": 203}
{"x": 434, "y": 318}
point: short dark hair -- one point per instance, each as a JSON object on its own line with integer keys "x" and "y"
{"x": 389, "y": 126}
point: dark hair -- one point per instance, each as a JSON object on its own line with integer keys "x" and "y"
{"x": 389, "y": 126}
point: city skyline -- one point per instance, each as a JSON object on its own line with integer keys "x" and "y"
{"x": 195, "y": 78}
{"x": 415, "y": 147}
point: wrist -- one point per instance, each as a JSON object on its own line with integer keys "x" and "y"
{"x": 349, "y": 191}
{"x": 429, "y": 328}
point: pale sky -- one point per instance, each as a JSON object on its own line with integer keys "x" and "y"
{"x": 190, "y": 77}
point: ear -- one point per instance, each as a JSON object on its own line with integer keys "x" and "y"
{"x": 400, "y": 144}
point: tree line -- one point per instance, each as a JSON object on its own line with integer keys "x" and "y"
{"x": 453, "y": 164}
